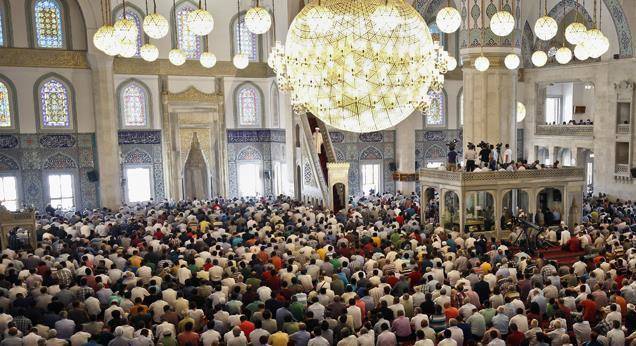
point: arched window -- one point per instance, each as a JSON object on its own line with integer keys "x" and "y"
{"x": 248, "y": 105}
{"x": 6, "y": 105}
{"x": 54, "y": 102}
{"x": 134, "y": 104}
{"x": 48, "y": 24}
{"x": 136, "y": 17}
{"x": 437, "y": 34}
{"x": 436, "y": 112}
{"x": 248, "y": 41}
{"x": 187, "y": 41}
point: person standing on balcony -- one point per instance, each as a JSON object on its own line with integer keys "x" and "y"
{"x": 470, "y": 156}
{"x": 507, "y": 155}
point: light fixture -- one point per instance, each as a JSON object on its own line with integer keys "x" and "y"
{"x": 258, "y": 20}
{"x": 155, "y": 25}
{"x": 596, "y": 43}
{"x": 104, "y": 37}
{"x": 482, "y": 63}
{"x": 563, "y": 55}
{"x": 545, "y": 27}
{"x": 318, "y": 18}
{"x": 575, "y": 33}
{"x": 126, "y": 29}
{"x": 448, "y": 19}
{"x": 127, "y": 48}
{"x": 207, "y": 60}
{"x": 521, "y": 112}
{"x": 385, "y": 18}
{"x": 200, "y": 21}
{"x": 113, "y": 48}
{"x": 368, "y": 84}
{"x": 539, "y": 58}
{"x": 177, "y": 57}
{"x": 580, "y": 52}
{"x": 502, "y": 23}
{"x": 451, "y": 63}
{"x": 240, "y": 61}
{"x": 149, "y": 52}
{"x": 512, "y": 61}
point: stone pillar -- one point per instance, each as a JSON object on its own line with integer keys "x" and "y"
{"x": 489, "y": 100}
{"x": 106, "y": 123}
{"x": 404, "y": 150}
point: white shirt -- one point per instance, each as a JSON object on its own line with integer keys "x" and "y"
{"x": 209, "y": 337}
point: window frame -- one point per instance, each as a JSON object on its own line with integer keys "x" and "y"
{"x": 66, "y": 27}
{"x": 120, "y": 105}
{"x": 13, "y": 103}
{"x": 72, "y": 127}
{"x": 444, "y": 108}
{"x": 18, "y": 188}
{"x": 74, "y": 184}
{"x": 260, "y": 166}
{"x": 151, "y": 180}
{"x": 559, "y": 116}
{"x": 175, "y": 34}
{"x": 380, "y": 164}
{"x": 260, "y": 104}
{"x": 234, "y": 39}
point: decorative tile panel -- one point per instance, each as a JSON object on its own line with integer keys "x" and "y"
{"x": 59, "y": 161}
{"x": 8, "y": 164}
{"x": 8, "y": 141}
{"x": 57, "y": 141}
{"x": 373, "y": 137}
{"x": 139, "y": 137}
{"x": 137, "y": 156}
{"x": 256, "y": 136}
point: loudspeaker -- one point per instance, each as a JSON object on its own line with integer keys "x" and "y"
{"x": 633, "y": 170}
{"x": 392, "y": 167}
{"x": 92, "y": 176}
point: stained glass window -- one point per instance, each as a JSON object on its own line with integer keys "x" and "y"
{"x": 187, "y": 41}
{"x": 437, "y": 34}
{"x": 248, "y": 106}
{"x": 133, "y": 103}
{"x": 249, "y": 41}
{"x": 135, "y": 17}
{"x": 54, "y": 104}
{"x": 436, "y": 111}
{"x": 48, "y": 24}
{"x": 5, "y": 105}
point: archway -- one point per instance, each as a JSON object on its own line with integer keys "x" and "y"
{"x": 451, "y": 210}
{"x": 549, "y": 207}
{"x": 512, "y": 203}
{"x": 480, "y": 211}
{"x": 430, "y": 203}
{"x": 195, "y": 173}
{"x": 339, "y": 196}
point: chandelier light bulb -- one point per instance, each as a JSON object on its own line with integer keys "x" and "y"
{"x": 512, "y": 61}
{"x": 126, "y": 29}
{"x": 482, "y": 63}
{"x": 546, "y": 28}
{"x": 448, "y": 20}
{"x": 156, "y": 26}
{"x": 103, "y": 37}
{"x": 575, "y": 33}
{"x": 149, "y": 52}
{"x": 200, "y": 22}
{"x": 581, "y": 53}
{"x": 539, "y": 58}
{"x": 502, "y": 23}
{"x": 451, "y": 63}
{"x": 127, "y": 48}
{"x": 563, "y": 55}
{"x": 386, "y": 18}
{"x": 258, "y": 20}
{"x": 521, "y": 112}
{"x": 207, "y": 59}
{"x": 240, "y": 61}
{"x": 318, "y": 19}
{"x": 177, "y": 57}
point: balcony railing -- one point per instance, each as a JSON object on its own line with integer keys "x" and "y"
{"x": 622, "y": 169}
{"x": 565, "y": 130}
{"x": 623, "y": 129}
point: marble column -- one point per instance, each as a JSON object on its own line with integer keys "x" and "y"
{"x": 404, "y": 150}
{"x": 106, "y": 126}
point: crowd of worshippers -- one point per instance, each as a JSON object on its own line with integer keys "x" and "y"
{"x": 273, "y": 271}
{"x": 485, "y": 157}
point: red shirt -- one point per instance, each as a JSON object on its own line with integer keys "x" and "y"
{"x": 188, "y": 337}
{"x": 589, "y": 310}
{"x": 515, "y": 338}
{"x": 247, "y": 327}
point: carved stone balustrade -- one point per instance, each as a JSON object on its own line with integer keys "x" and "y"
{"x": 565, "y": 130}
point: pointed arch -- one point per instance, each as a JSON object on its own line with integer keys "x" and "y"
{"x": 54, "y": 102}
{"x": 6, "y": 32}
{"x": 135, "y": 104}
{"x": 248, "y": 105}
{"x": 8, "y": 163}
{"x": 249, "y": 153}
{"x": 435, "y": 153}
{"x": 59, "y": 161}
{"x": 137, "y": 156}
{"x": 371, "y": 153}
{"x": 274, "y": 97}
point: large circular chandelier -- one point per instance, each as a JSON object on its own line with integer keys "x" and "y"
{"x": 502, "y": 23}
{"x": 258, "y": 20}
{"x": 359, "y": 76}
{"x": 448, "y": 20}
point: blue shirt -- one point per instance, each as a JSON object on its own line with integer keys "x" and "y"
{"x": 500, "y": 321}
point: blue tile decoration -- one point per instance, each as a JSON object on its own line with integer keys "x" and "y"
{"x": 371, "y": 153}
{"x": 256, "y": 136}
{"x": 371, "y": 137}
{"x": 249, "y": 154}
{"x": 59, "y": 161}
{"x": 624, "y": 33}
{"x": 57, "y": 141}
{"x": 139, "y": 137}
{"x": 435, "y": 136}
{"x": 137, "y": 156}
{"x": 7, "y": 163}
{"x": 8, "y": 141}
{"x": 336, "y": 137}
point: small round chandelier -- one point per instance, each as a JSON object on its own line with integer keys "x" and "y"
{"x": 502, "y": 23}
{"x": 581, "y": 53}
{"x": 448, "y": 19}
{"x": 521, "y": 112}
{"x": 451, "y": 63}
{"x": 207, "y": 60}
{"x": 563, "y": 55}
{"x": 240, "y": 61}
{"x": 104, "y": 37}
{"x": 596, "y": 43}
{"x": 575, "y": 33}
{"x": 545, "y": 27}
{"x": 512, "y": 61}
{"x": 177, "y": 57}
{"x": 482, "y": 63}
{"x": 539, "y": 58}
{"x": 200, "y": 21}
{"x": 258, "y": 20}
{"x": 367, "y": 84}
{"x": 127, "y": 48}
{"x": 149, "y": 52}
{"x": 156, "y": 26}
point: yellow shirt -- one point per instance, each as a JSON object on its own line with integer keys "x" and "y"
{"x": 322, "y": 252}
{"x": 486, "y": 267}
{"x": 279, "y": 339}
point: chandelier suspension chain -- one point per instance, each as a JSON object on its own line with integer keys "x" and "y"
{"x": 238, "y": 14}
